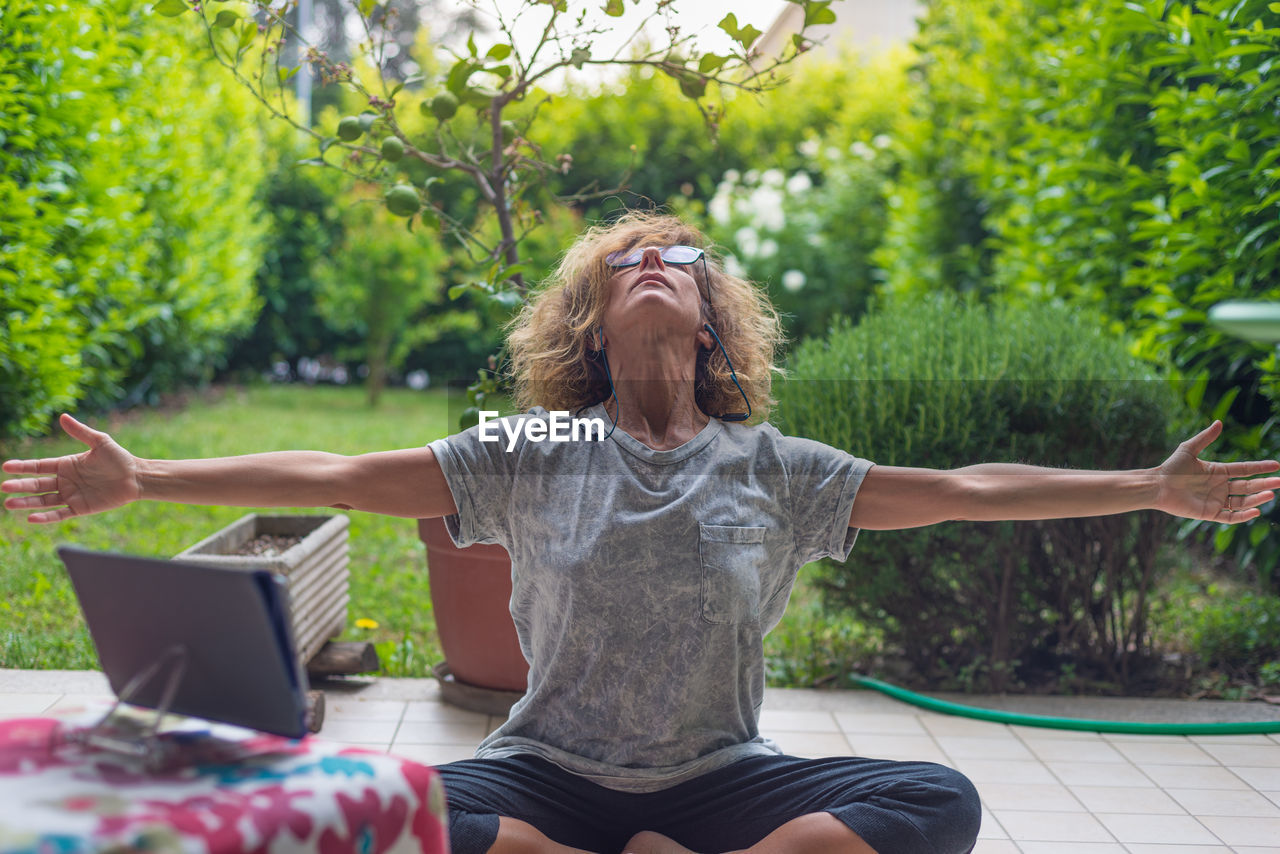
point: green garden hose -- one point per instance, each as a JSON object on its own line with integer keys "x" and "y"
{"x": 1047, "y": 722}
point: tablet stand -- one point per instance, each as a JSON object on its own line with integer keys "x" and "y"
{"x": 133, "y": 738}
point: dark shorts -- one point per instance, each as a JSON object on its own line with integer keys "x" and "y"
{"x": 896, "y": 807}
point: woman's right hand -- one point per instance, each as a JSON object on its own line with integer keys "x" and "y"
{"x": 101, "y": 478}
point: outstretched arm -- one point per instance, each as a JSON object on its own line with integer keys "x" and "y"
{"x": 1184, "y": 485}
{"x": 405, "y": 483}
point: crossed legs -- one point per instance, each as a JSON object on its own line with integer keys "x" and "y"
{"x": 756, "y": 805}
{"x": 816, "y": 833}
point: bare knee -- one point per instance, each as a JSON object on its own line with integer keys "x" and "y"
{"x": 648, "y": 842}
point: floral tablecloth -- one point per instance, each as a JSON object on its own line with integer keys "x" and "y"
{"x": 275, "y": 795}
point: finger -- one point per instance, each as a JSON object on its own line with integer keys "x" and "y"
{"x": 51, "y": 516}
{"x": 30, "y": 484}
{"x": 1235, "y": 517}
{"x": 27, "y": 502}
{"x": 82, "y": 432}
{"x": 1197, "y": 443}
{"x": 1247, "y": 487}
{"x": 1256, "y": 500}
{"x": 46, "y": 466}
{"x": 1250, "y": 468}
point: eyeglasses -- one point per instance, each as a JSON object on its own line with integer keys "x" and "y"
{"x": 678, "y": 255}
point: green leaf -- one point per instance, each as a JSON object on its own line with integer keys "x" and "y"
{"x": 743, "y": 35}
{"x": 247, "y": 31}
{"x": 366, "y": 7}
{"x": 226, "y": 18}
{"x": 1221, "y": 540}
{"x": 286, "y": 73}
{"x": 479, "y": 96}
{"x": 1224, "y": 404}
{"x": 499, "y": 52}
{"x": 509, "y": 272}
{"x": 470, "y": 417}
{"x": 818, "y": 12}
{"x": 1274, "y": 7}
{"x": 471, "y": 44}
{"x": 456, "y": 82}
{"x": 693, "y": 85}
{"x": 710, "y": 62}
{"x": 458, "y": 290}
{"x": 613, "y": 8}
{"x": 579, "y": 56}
{"x": 508, "y": 299}
{"x": 171, "y": 8}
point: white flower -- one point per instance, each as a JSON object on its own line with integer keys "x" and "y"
{"x": 881, "y": 140}
{"x": 720, "y": 208}
{"x": 799, "y": 183}
{"x": 861, "y": 149}
{"x": 752, "y": 176}
{"x": 734, "y": 267}
{"x": 732, "y": 177}
{"x": 747, "y": 240}
{"x": 766, "y": 208}
{"x": 768, "y": 247}
{"x": 773, "y": 178}
{"x": 793, "y": 280}
{"x": 809, "y": 148}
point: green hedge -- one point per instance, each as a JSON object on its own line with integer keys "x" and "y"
{"x": 1122, "y": 156}
{"x": 942, "y": 383}
{"x": 130, "y": 233}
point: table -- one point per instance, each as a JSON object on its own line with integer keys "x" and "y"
{"x": 233, "y": 790}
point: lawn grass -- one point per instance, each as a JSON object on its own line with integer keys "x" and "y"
{"x": 40, "y": 622}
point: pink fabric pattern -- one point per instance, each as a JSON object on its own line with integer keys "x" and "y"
{"x": 57, "y": 797}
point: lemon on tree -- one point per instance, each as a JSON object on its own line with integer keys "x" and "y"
{"x": 443, "y": 106}
{"x": 392, "y": 149}
{"x": 402, "y": 200}
{"x": 349, "y": 129}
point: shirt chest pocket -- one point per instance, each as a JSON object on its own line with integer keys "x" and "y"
{"x": 732, "y": 559}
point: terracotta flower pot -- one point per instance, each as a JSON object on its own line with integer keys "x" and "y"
{"x": 471, "y": 597}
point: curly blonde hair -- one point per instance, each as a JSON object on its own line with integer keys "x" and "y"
{"x": 554, "y": 360}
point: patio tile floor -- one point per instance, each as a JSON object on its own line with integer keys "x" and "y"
{"x": 1044, "y": 791}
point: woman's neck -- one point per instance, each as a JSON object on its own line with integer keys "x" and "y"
{"x": 656, "y": 404}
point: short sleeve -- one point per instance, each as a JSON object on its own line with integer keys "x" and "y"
{"x": 479, "y": 467}
{"x": 822, "y": 484}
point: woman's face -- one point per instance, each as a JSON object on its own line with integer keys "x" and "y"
{"x": 655, "y": 294}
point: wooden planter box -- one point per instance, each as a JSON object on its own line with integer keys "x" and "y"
{"x": 316, "y": 569}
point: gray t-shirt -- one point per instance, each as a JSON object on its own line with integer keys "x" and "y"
{"x": 643, "y": 584}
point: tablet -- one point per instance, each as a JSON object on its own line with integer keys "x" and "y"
{"x": 231, "y": 625}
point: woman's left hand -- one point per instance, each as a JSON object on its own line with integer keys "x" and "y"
{"x": 1218, "y": 492}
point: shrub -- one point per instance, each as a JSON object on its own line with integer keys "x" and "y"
{"x": 130, "y": 235}
{"x": 378, "y": 286}
{"x": 942, "y": 383}
{"x": 1240, "y": 635}
{"x": 1121, "y": 156}
{"x": 305, "y": 227}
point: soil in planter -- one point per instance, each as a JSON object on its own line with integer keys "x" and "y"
{"x": 268, "y": 545}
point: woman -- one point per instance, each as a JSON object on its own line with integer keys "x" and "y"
{"x": 648, "y": 565}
